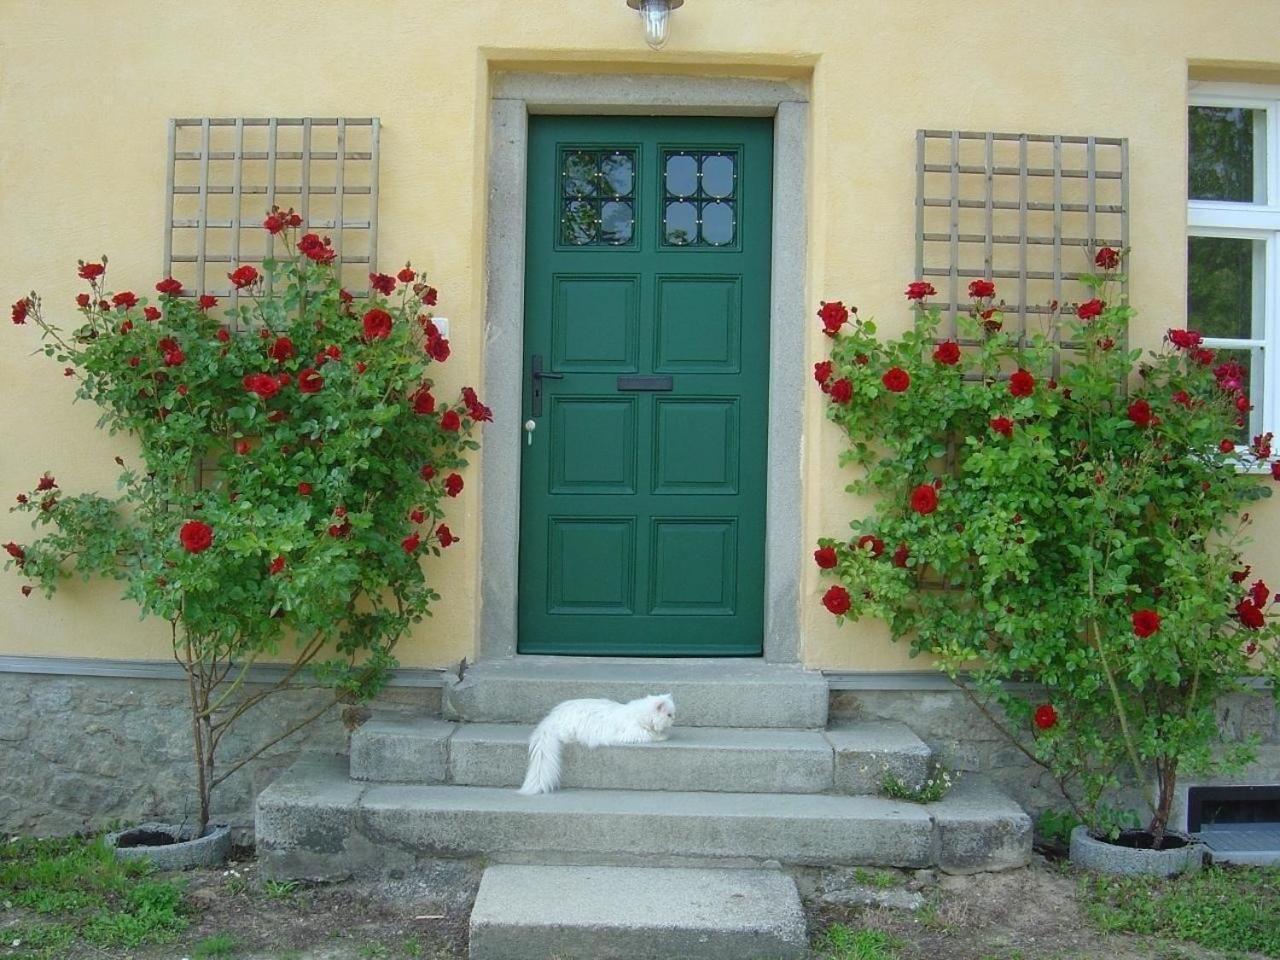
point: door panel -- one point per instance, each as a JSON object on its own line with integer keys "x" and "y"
{"x": 647, "y": 305}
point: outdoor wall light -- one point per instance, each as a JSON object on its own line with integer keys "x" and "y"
{"x": 656, "y": 15}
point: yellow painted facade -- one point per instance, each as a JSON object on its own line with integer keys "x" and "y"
{"x": 87, "y": 88}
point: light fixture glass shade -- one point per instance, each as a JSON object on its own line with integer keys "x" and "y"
{"x": 657, "y": 18}
{"x": 656, "y": 15}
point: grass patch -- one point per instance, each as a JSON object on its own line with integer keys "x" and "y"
{"x": 843, "y": 943}
{"x": 1223, "y": 908}
{"x": 880, "y": 879}
{"x": 94, "y": 896}
{"x": 218, "y": 945}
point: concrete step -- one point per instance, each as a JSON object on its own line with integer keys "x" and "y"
{"x": 636, "y": 913}
{"x": 708, "y": 693}
{"x": 317, "y": 823}
{"x": 850, "y": 759}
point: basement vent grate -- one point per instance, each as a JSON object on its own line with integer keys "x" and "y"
{"x": 1238, "y": 824}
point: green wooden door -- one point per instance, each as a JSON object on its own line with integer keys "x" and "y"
{"x": 642, "y": 504}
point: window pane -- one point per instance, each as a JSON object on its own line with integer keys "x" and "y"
{"x": 1227, "y": 154}
{"x": 1225, "y": 287}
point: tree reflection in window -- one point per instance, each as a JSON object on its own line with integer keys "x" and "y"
{"x": 597, "y": 195}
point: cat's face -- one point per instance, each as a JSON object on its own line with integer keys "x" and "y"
{"x": 660, "y": 713}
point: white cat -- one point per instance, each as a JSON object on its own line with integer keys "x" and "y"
{"x": 592, "y": 723}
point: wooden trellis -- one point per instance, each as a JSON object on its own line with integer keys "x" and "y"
{"x": 1025, "y": 210}
{"x": 224, "y": 174}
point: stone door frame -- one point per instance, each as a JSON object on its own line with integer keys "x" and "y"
{"x": 514, "y": 96}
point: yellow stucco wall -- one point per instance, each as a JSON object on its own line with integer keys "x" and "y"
{"x": 86, "y": 89}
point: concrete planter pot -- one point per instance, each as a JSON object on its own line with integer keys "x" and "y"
{"x": 147, "y": 841}
{"x": 1119, "y": 859}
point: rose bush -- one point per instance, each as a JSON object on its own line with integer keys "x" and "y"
{"x": 1082, "y": 531}
{"x": 294, "y": 466}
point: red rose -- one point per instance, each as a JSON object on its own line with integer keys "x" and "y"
{"x": 429, "y": 296}
{"x": 313, "y": 248}
{"x": 453, "y": 485}
{"x": 1002, "y": 425}
{"x": 46, "y": 482}
{"x": 1182, "y": 398}
{"x": 1185, "y": 339}
{"x": 1021, "y": 384}
{"x": 361, "y": 366}
{"x": 417, "y": 515}
{"x": 875, "y": 543}
{"x": 377, "y": 324}
{"x": 1145, "y": 622}
{"x": 427, "y": 472}
{"x": 1227, "y": 446}
{"x": 174, "y": 358}
{"x": 445, "y": 536}
{"x": 475, "y": 409}
{"x": 1250, "y": 615}
{"x": 125, "y": 300}
{"x": 920, "y": 289}
{"x": 981, "y": 289}
{"x": 834, "y": 315}
{"x": 439, "y": 349}
{"x": 82, "y": 301}
{"x": 1107, "y": 258}
{"x": 896, "y": 379}
{"x": 263, "y": 384}
{"x": 924, "y": 499}
{"x": 947, "y": 353}
{"x": 411, "y": 542}
{"x": 196, "y": 536}
{"x": 1203, "y": 357}
{"x": 304, "y": 489}
{"x": 836, "y": 600}
{"x": 207, "y": 302}
{"x": 15, "y": 551}
{"x": 339, "y": 529}
{"x": 333, "y": 352}
{"x": 20, "y": 310}
{"x": 1045, "y": 716}
{"x": 841, "y": 391}
{"x": 151, "y": 313}
{"x": 223, "y": 334}
{"x": 1259, "y": 593}
{"x": 825, "y": 557}
{"x": 1090, "y": 309}
{"x": 276, "y": 566}
{"x": 1261, "y": 445}
{"x": 1242, "y": 404}
{"x": 423, "y": 402}
{"x": 1140, "y": 413}
{"x": 1240, "y": 576}
{"x": 345, "y": 297}
{"x": 901, "y": 555}
{"x": 281, "y": 350}
{"x": 92, "y": 271}
{"x": 134, "y": 361}
{"x": 384, "y": 284}
{"x": 309, "y": 381}
{"x": 1275, "y": 470}
{"x": 822, "y": 373}
{"x": 245, "y": 276}
{"x": 450, "y": 421}
{"x": 242, "y": 447}
{"x": 273, "y": 224}
{"x": 406, "y": 275}
{"x": 126, "y": 326}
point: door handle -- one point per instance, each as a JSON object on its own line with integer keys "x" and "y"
{"x": 535, "y": 390}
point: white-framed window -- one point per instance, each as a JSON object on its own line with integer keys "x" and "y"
{"x": 1233, "y": 234}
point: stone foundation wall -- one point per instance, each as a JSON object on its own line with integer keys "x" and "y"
{"x": 81, "y": 753}
{"x": 965, "y": 741}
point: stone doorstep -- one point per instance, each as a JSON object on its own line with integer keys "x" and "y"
{"x": 641, "y": 913}
{"x": 708, "y": 692}
{"x": 316, "y": 823}
{"x": 849, "y": 759}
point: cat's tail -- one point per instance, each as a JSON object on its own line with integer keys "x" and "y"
{"x": 543, "y": 775}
